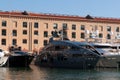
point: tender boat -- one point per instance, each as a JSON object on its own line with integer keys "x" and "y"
{"x": 3, "y": 57}
{"x": 110, "y": 55}
{"x": 68, "y": 54}
{"x": 15, "y": 58}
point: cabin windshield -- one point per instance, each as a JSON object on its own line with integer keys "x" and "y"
{"x": 20, "y": 52}
{"x": 89, "y": 48}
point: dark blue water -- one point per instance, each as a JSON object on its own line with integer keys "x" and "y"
{"x": 37, "y": 73}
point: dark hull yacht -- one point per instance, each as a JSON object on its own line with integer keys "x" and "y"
{"x": 18, "y": 59}
{"x": 68, "y": 54}
{"x": 15, "y": 58}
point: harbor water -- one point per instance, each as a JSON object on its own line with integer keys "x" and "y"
{"x": 39, "y": 73}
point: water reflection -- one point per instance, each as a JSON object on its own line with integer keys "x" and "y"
{"x": 18, "y": 73}
{"x": 38, "y": 73}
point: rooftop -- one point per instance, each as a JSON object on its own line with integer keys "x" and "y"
{"x": 59, "y": 17}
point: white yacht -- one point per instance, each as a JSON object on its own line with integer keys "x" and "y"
{"x": 106, "y": 48}
{"x": 110, "y": 54}
{"x": 3, "y": 57}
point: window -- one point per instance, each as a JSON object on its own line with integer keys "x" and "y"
{"x": 35, "y": 32}
{"x": 108, "y": 36}
{"x": 45, "y": 34}
{"x": 14, "y": 42}
{"x": 35, "y": 41}
{"x": 117, "y": 29}
{"x": 82, "y": 27}
{"x": 46, "y": 25}
{"x": 14, "y": 23}
{"x": 4, "y": 23}
{"x": 73, "y": 35}
{"x": 64, "y": 34}
{"x": 108, "y": 28}
{"x": 25, "y": 32}
{"x": 100, "y": 35}
{"x": 36, "y": 25}
{"x": 73, "y": 27}
{"x": 45, "y": 42}
{"x": 3, "y": 42}
{"x": 64, "y": 26}
{"x": 55, "y": 26}
{"x": 25, "y": 24}
{"x": 24, "y": 41}
{"x": 101, "y": 27}
{"x": 3, "y": 32}
{"x": 14, "y": 32}
{"x": 92, "y": 28}
{"x": 96, "y": 28}
{"x": 82, "y": 35}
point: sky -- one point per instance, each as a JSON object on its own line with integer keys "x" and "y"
{"x": 96, "y": 8}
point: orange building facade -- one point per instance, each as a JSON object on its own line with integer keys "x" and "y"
{"x": 32, "y": 31}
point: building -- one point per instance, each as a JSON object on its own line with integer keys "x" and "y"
{"x": 32, "y": 31}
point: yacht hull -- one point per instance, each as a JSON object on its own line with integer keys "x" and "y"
{"x": 77, "y": 63}
{"x": 18, "y": 61}
{"x": 109, "y": 61}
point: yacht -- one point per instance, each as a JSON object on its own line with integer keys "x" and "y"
{"x": 3, "y": 57}
{"x": 110, "y": 55}
{"x": 68, "y": 54}
{"x": 16, "y": 58}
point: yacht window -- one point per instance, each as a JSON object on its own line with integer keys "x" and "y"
{"x": 57, "y": 48}
{"x": 60, "y": 57}
{"x": 77, "y": 55}
{"x": 101, "y": 46}
{"x": 65, "y": 58}
{"x": 115, "y": 47}
{"x": 60, "y": 47}
{"x": 89, "y": 47}
{"x": 74, "y": 48}
{"x": 86, "y": 46}
{"x": 50, "y": 48}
